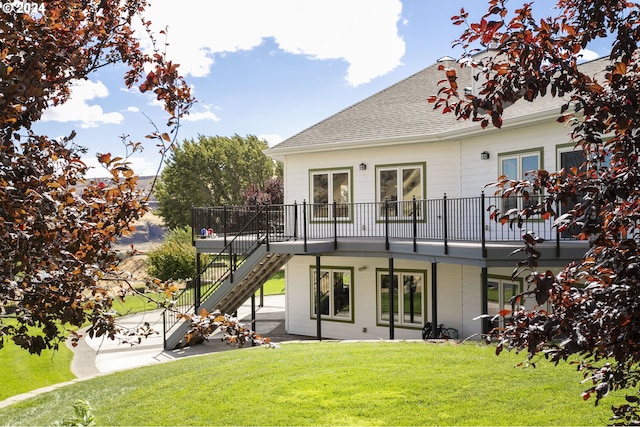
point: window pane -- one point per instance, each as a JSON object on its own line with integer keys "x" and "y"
{"x": 570, "y": 159}
{"x": 412, "y": 299}
{"x": 509, "y": 290}
{"x": 341, "y": 187}
{"x": 384, "y": 297}
{"x": 510, "y": 168}
{"x": 529, "y": 162}
{"x": 388, "y": 185}
{"x": 411, "y": 184}
{"x": 320, "y": 195}
{"x": 341, "y": 194}
{"x": 341, "y": 294}
{"x": 324, "y": 292}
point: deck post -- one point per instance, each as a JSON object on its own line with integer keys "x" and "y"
{"x": 484, "y": 298}
{"x": 253, "y": 317}
{"x": 446, "y": 224}
{"x": 386, "y": 223}
{"x": 225, "y": 222}
{"x": 304, "y": 224}
{"x": 318, "y": 304}
{"x": 557, "y": 232}
{"x": 335, "y": 225}
{"x": 434, "y": 299}
{"x": 197, "y": 283}
{"x": 415, "y": 225}
{"x": 295, "y": 220}
{"x": 391, "y": 296}
{"x": 483, "y": 225}
{"x": 267, "y": 213}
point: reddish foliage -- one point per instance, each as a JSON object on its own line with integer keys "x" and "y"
{"x": 594, "y": 301}
{"x": 56, "y": 228}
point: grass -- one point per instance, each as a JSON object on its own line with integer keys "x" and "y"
{"x": 329, "y": 383}
{"x": 21, "y": 372}
{"x": 275, "y": 285}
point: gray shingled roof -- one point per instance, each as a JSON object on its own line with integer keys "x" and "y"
{"x": 402, "y": 111}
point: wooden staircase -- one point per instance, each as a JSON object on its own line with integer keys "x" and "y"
{"x": 237, "y": 288}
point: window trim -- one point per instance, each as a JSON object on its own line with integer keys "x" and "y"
{"x": 331, "y": 317}
{"x": 519, "y": 154}
{"x": 399, "y": 323}
{"x": 330, "y": 217}
{"x": 399, "y": 167}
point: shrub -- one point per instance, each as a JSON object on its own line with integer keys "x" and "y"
{"x": 175, "y": 258}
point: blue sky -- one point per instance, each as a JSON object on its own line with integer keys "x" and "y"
{"x": 270, "y": 68}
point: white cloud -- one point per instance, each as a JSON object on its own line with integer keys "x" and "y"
{"x": 78, "y": 109}
{"x": 194, "y": 116}
{"x": 142, "y": 166}
{"x": 361, "y": 32}
{"x": 271, "y": 139}
{"x": 133, "y": 109}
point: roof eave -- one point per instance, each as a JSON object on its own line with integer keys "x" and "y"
{"x": 467, "y": 131}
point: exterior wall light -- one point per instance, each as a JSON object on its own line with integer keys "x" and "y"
{"x": 363, "y": 166}
{"x": 484, "y": 155}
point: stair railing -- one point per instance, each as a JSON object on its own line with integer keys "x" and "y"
{"x": 217, "y": 270}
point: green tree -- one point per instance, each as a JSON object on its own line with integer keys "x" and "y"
{"x": 57, "y": 228}
{"x": 210, "y": 171}
{"x": 595, "y": 301}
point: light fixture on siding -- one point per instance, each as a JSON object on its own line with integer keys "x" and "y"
{"x": 363, "y": 166}
{"x": 484, "y": 155}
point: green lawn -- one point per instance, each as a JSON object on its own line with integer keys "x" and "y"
{"x": 330, "y": 383}
{"x": 275, "y": 285}
{"x": 21, "y": 372}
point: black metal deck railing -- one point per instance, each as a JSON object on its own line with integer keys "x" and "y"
{"x": 219, "y": 268}
{"x": 465, "y": 219}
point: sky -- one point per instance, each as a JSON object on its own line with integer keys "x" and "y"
{"x": 269, "y": 68}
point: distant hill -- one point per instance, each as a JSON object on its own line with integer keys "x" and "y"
{"x": 150, "y": 228}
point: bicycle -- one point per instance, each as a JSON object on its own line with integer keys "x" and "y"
{"x": 441, "y": 332}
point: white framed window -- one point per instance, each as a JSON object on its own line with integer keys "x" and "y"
{"x": 336, "y": 290}
{"x": 515, "y": 166}
{"x": 327, "y": 187}
{"x": 409, "y": 298}
{"x": 500, "y": 290}
{"x": 399, "y": 184}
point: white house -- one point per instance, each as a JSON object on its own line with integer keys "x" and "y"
{"x": 392, "y": 187}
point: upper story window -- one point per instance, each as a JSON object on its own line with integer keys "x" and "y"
{"x": 515, "y": 166}
{"x": 328, "y": 186}
{"x": 399, "y": 184}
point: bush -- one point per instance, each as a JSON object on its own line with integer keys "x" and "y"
{"x": 175, "y": 258}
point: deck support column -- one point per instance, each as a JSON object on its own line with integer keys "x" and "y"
{"x": 434, "y": 299}
{"x": 253, "y": 317}
{"x": 318, "y": 304}
{"x": 197, "y": 283}
{"x": 392, "y": 283}
{"x": 484, "y": 278}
